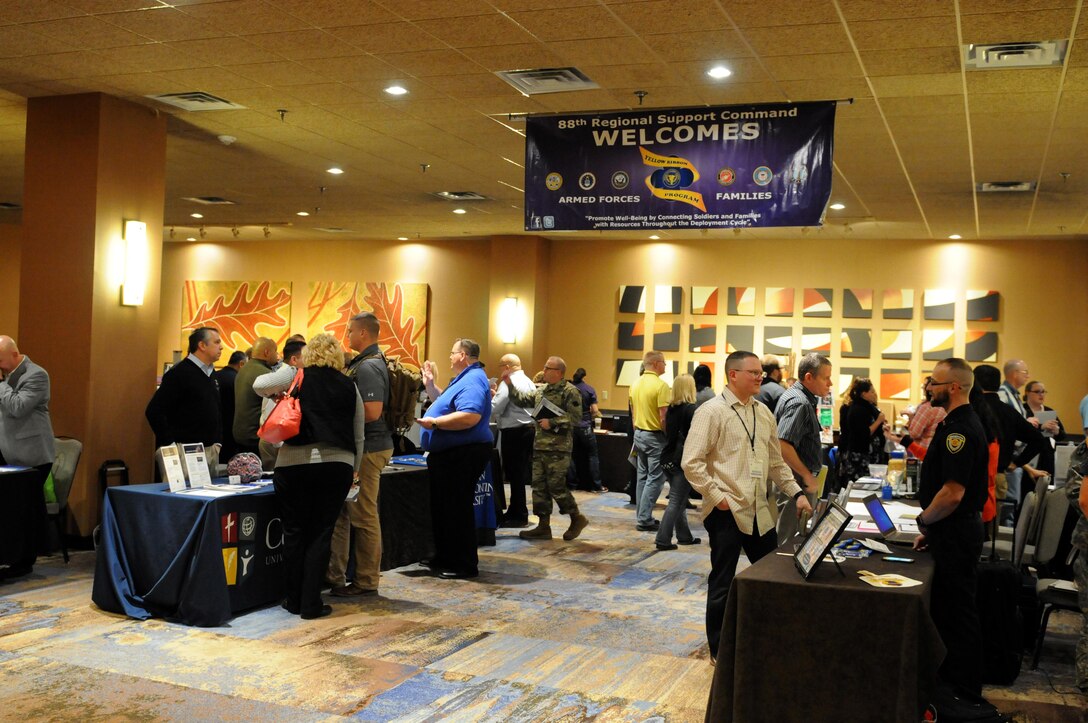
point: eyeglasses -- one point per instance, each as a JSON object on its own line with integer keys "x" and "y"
{"x": 756, "y": 373}
{"x": 940, "y": 384}
{"x": 459, "y": 351}
{"x": 552, "y": 369}
{"x": 1038, "y": 391}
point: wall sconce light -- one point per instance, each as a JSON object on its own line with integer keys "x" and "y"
{"x": 136, "y": 263}
{"x": 511, "y": 324}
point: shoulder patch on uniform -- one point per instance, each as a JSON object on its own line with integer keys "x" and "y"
{"x": 955, "y": 442}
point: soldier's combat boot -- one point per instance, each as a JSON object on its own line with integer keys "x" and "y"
{"x": 542, "y": 531}
{"x": 578, "y": 522}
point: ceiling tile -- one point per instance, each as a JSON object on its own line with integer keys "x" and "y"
{"x": 1032, "y": 80}
{"x": 141, "y": 84}
{"x": 813, "y": 67}
{"x": 1020, "y": 103}
{"x": 638, "y": 75}
{"x": 798, "y": 39}
{"x": 398, "y": 37}
{"x": 673, "y": 16}
{"x": 303, "y": 44}
{"x": 925, "y": 32}
{"x": 16, "y": 41}
{"x": 709, "y": 45}
{"x": 474, "y": 85}
{"x": 917, "y": 85}
{"x": 760, "y": 14}
{"x": 475, "y": 32}
{"x": 244, "y": 17}
{"x": 351, "y": 68}
{"x": 804, "y": 90}
{"x": 278, "y": 74}
{"x": 86, "y": 32}
{"x": 745, "y": 70}
{"x": 920, "y": 61}
{"x": 429, "y": 9}
{"x": 578, "y": 23}
{"x": 223, "y": 52}
{"x": 162, "y": 25}
{"x": 213, "y": 80}
{"x": 431, "y": 62}
{"x": 27, "y": 11}
{"x": 335, "y": 13}
{"x": 513, "y": 57}
{"x": 326, "y": 94}
{"x": 611, "y": 51}
{"x": 1008, "y": 27}
{"x": 894, "y": 9}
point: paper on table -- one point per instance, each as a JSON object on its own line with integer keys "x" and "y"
{"x": 876, "y": 546}
{"x": 889, "y": 580}
{"x": 206, "y": 492}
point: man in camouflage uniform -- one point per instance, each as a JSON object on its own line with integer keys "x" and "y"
{"x": 551, "y": 450}
{"x": 1077, "y": 492}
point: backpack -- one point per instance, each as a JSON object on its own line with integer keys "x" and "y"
{"x": 399, "y": 411}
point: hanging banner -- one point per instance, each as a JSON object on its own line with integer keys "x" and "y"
{"x": 704, "y": 167}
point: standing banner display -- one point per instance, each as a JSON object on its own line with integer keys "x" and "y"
{"x": 686, "y": 168}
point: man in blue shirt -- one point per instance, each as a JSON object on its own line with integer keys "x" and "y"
{"x": 459, "y": 441}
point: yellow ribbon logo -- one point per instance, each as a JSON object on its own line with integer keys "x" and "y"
{"x": 672, "y": 178}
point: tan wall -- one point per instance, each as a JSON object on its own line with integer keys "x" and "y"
{"x": 1044, "y": 297}
{"x": 10, "y": 249}
{"x": 458, "y": 274}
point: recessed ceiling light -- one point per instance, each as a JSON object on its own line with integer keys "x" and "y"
{"x": 837, "y": 207}
{"x": 303, "y": 213}
{"x": 719, "y": 72}
{"x": 955, "y": 237}
{"x": 655, "y": 237}
{"x": 191, "y": 238}
{"x": 402, "y": 238}
{"x": 459, "y": 210}
{"x": 196, "y": 215}
{"x": 335, "y": 171}
{"x": 396, "y": 90}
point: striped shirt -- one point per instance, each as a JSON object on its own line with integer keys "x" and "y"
{"x": 718, "y": 456}
{"x": 1010, "y": 396}
{"x": 799, "y": 425}
{"x": 923, "y": 425}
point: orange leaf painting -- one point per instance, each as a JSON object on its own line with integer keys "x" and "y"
{"x": 401, "y": 310}
{"x": 242, "y": 311}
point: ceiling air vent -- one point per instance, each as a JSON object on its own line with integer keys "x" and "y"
{"x": 196, "y": 100}
{"x": 1005, "y": 56}
{"x": 547, "y": 80}
{"x": 332, "y": 229}
{"x": 1006, "y": 187}
{"x": 209, "y": 200}
{"x": 460, "y": 195}
{"x": 6, "y": 206}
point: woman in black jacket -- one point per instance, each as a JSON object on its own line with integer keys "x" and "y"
{"x": 861, "y": 442}
{"x": 314, "y": 471}
{"x": 677, "y": 423}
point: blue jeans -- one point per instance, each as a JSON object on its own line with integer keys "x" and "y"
{"x": 676, "y": 515}
{"x": 651, "y": 478}
{"x": 1014, "y": 479}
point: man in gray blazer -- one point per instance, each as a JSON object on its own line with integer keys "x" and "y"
{"x": 26, "y": 440}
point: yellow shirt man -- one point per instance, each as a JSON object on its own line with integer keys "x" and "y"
{"x": 650, "y": 397}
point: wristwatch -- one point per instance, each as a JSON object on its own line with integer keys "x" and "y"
{"x": 435, "y": 423}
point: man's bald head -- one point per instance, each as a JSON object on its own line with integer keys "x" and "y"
{"x": 9, "y": 355}
{"x": 265, "y": 350}
{"x": 510, "y": 361}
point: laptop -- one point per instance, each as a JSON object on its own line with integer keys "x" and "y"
{"x": 888, "y": 531}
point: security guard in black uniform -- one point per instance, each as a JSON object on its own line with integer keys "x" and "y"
{"x": 952, "y": 491}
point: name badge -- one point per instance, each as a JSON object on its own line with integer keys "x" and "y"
{"x": 756, "y": 469}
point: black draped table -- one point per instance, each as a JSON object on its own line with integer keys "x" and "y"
{"x": 22, "y": 514}
{"x": 831, "y": 648}
{"x": 200, "y": 560}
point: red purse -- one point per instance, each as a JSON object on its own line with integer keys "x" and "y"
{"x": 284, "y": 421}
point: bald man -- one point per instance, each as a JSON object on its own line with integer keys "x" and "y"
{"x": 26, "y": 439}
{"x": 247, "y": 403}
{"x": 516, "y": 434}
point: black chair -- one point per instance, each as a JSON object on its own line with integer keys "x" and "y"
{"x": 68, "y": 452}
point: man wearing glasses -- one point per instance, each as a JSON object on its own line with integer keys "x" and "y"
{"x": 516, "y": 431}
{"x": 557, "y": 407}
{"x": 952, "y": 490}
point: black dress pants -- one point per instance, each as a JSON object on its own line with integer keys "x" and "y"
{"x": 726, "y": 542}
{"x": 516, "y": 445}
{"x": 310, "y": 498}
{"x": 956, "y": 544}
{"x": 453, "y": 475}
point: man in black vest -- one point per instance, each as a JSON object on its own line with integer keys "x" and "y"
{"x": 185, "y": 407}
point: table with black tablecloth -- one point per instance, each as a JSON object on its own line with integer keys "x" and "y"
{"x": 830, "y": 648}
{"x": 22, "y": 514}
{"x": 200, "y": 560}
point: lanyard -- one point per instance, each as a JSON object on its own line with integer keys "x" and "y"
{"x": 751, "y": 435}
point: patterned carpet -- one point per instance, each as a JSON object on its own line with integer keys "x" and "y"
{"x": 605, "y": 628}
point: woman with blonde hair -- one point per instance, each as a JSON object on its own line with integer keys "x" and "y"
{"x": 314, "y": 471}
{"x": 677, "y": 423}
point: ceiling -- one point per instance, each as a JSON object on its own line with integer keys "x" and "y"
{"x": 920, "y": 133}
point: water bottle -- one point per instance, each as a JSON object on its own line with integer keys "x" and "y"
{"x": 897, "y": 470}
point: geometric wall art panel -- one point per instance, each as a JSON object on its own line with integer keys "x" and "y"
{"x": 742, "y": 301}
{"x": 855, "y": 343}
{"x": 857, "y": 304}
{"x": 668, "y": 299}
{"x": 817, "y": 303}
{"x": 704, "y": 300}
{"x": 693, "y": 364}
{"x": 815, "y": 339}
{"x": 778, "y": 302}
{"x": 627, "y": 371}
{"x": 937, "y": 344}
{"x": 401, "y": 309}
{"x": 939, "y": 305}
{"x": 242, "y": 311}
{"x": 702, "y": 338}
{"x": 632, "y": 299}
{"x": 847, "y": 375}
{"x": 632, "y": 336}
{"x": 666, "y": 337}
{"x": 895, "y": 384}
{"x": 896, "y": 344}
{"x": 739, "y": 337}
{"x": 898, "y": 303}
{"x": 981, "y": 346}
{"x": 777, "y": 340}
{"x": 983, "y": 305}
